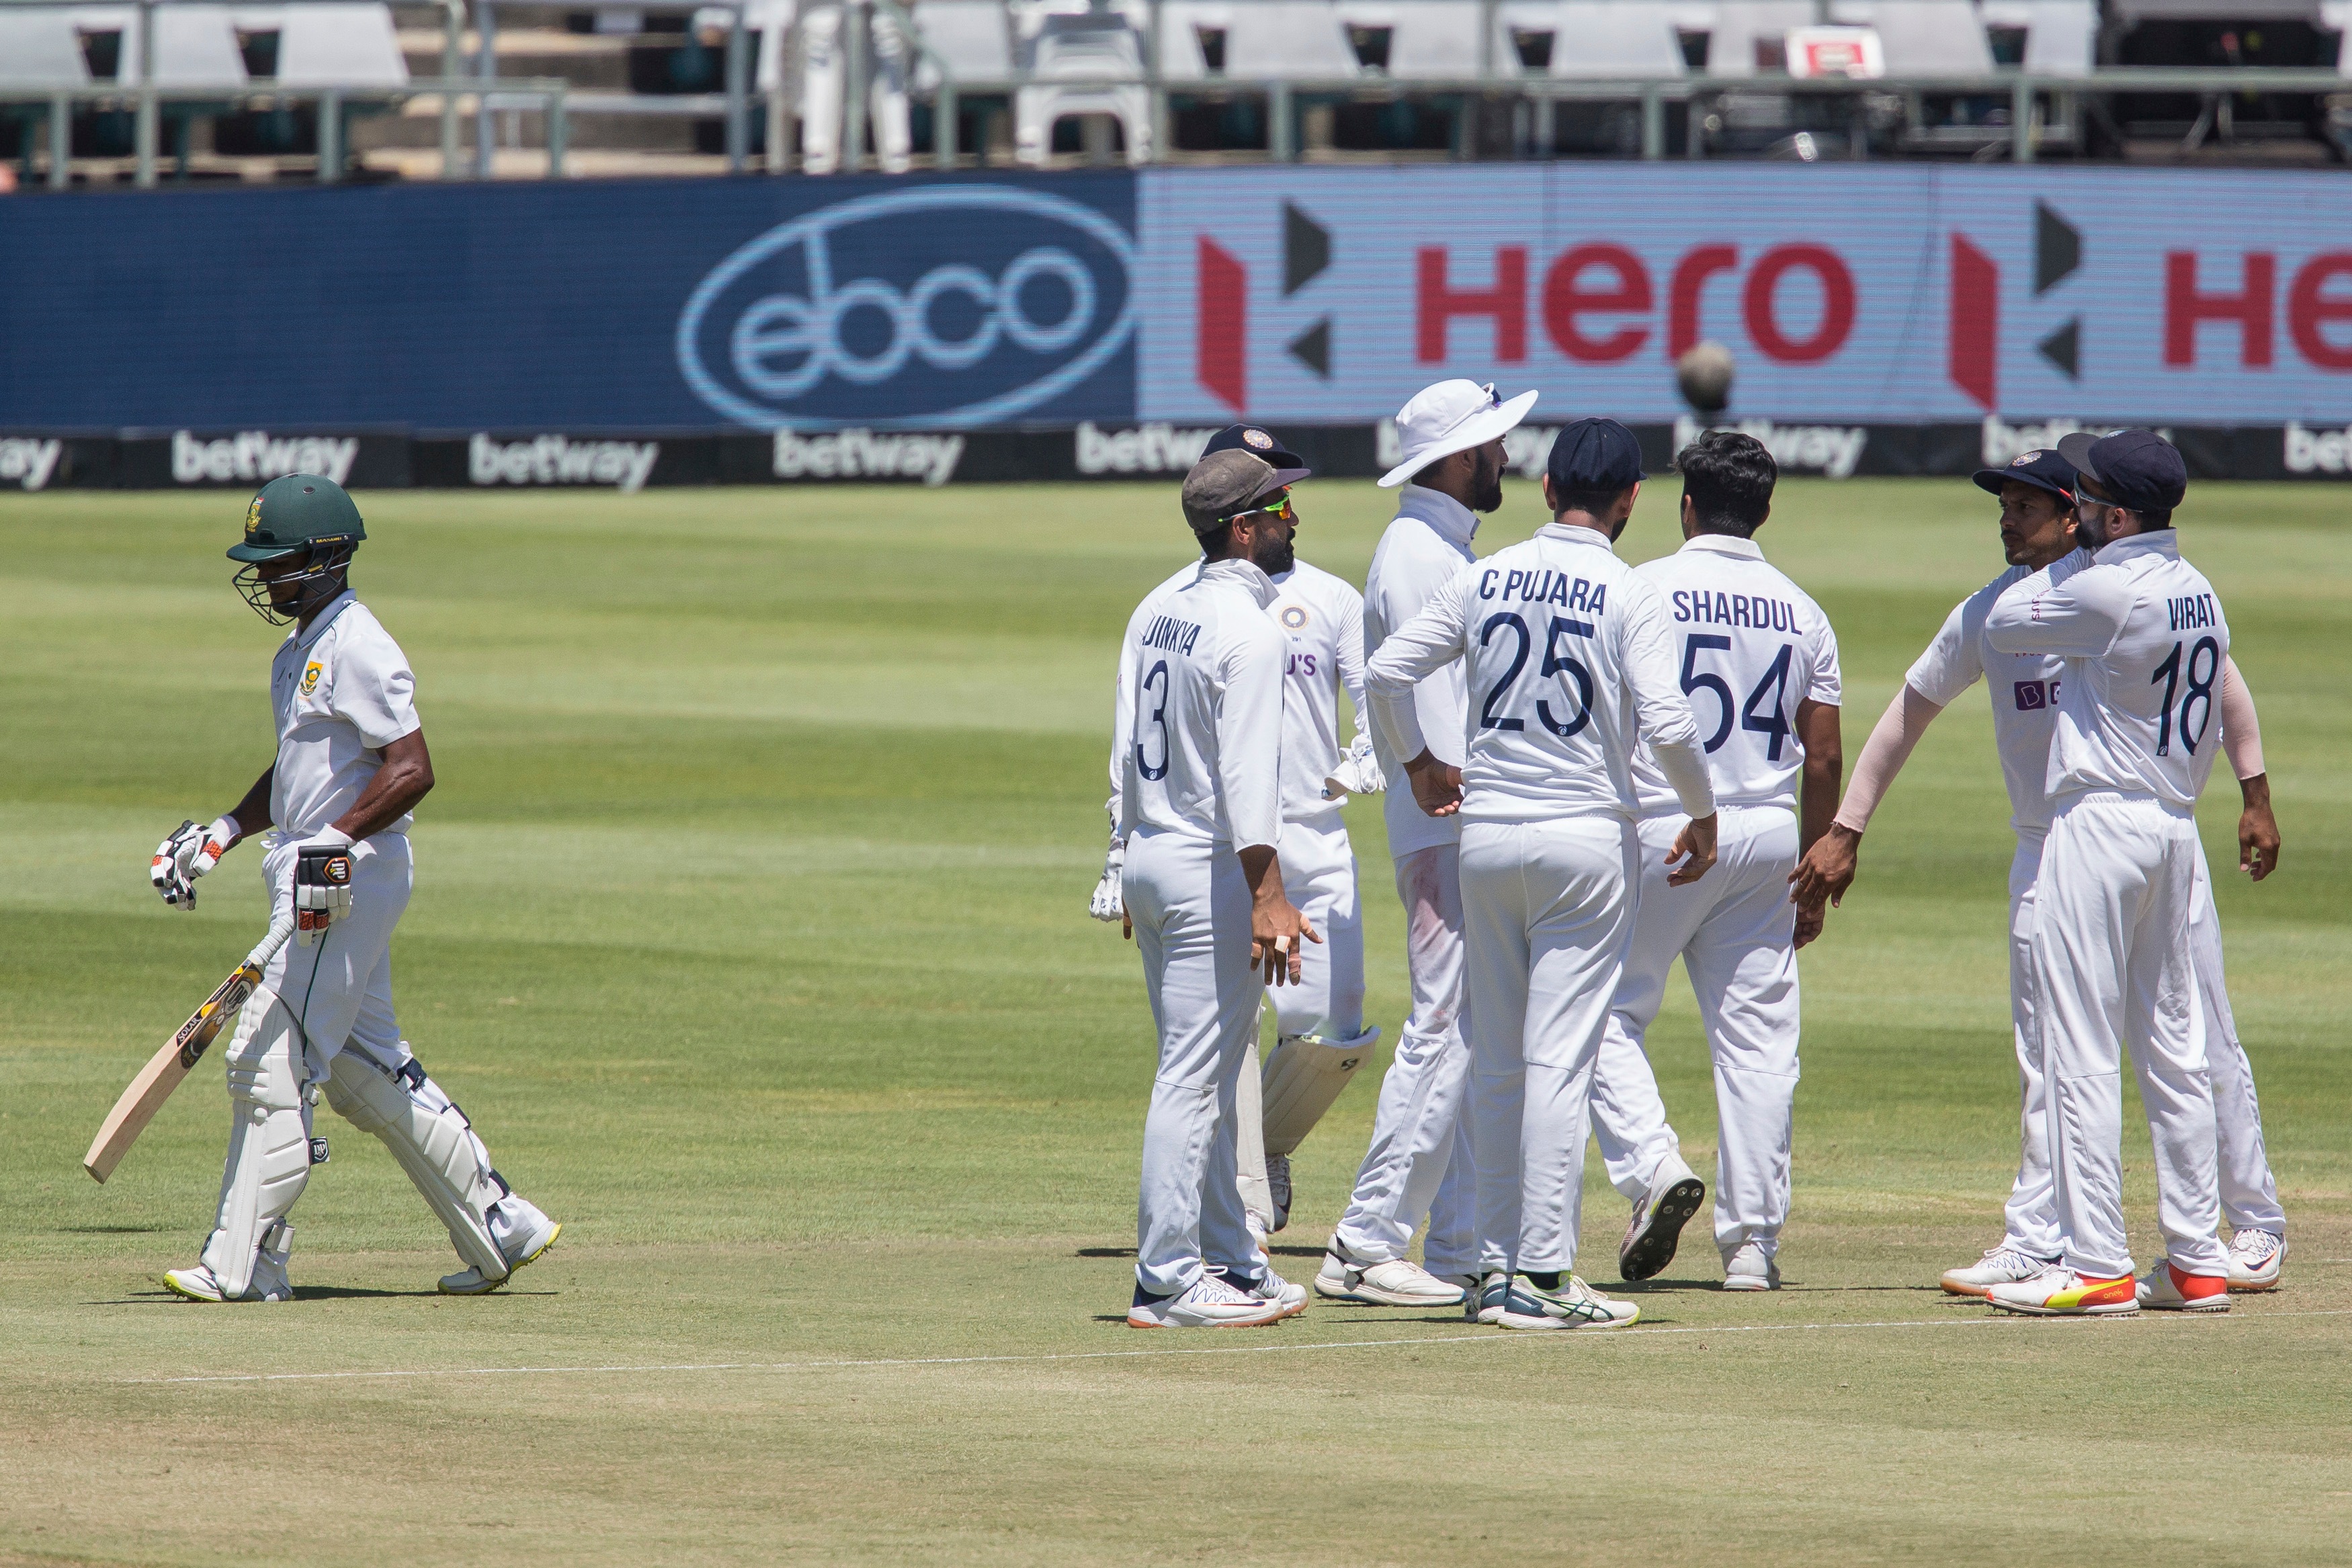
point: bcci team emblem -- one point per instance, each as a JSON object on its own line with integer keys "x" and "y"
{"x": 1293, "y": 616}
{"x": 253, "y": 519}
{"x": 1258, "y": 439}
{"x": 2022, "y": 458}
{"x": 310, "y": 674}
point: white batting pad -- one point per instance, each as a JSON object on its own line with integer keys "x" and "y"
{"x": 433, "y": 1143}
{"x": 268, "y": 1144}
{"x": 1302, "y": 1077}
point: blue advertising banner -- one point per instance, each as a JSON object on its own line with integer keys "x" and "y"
{"x": 574, "y": 306}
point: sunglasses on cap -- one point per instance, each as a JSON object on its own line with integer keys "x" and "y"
{"x": 1282, "y": 510}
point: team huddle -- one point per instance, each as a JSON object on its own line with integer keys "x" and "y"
{"x": 1591, "y": 768}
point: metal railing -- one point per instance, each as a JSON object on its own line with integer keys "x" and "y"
{"x": 2028, "y": 93}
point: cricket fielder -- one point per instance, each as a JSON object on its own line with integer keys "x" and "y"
{"x": 2037, "y": 492}
{"x": 1570, "y": 661}
{"x": 1419, "y": 1162}
{"x": 2144, "y": 638}
{"x": 1320, "y": 1023}
{"x": 1200, "y": 810}
{"x": 1759, "y": 662}
{"x": 351, "y": 765}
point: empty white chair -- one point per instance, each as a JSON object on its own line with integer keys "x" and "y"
{"x": 1741, "y": 25}
{"x": 1923, "y": 37}
{"x": 40, "y": 49}
{"x": 1087, "y": 47}
{"x": 339, "y": 45}
{"x": 824, "y": 76}
{"x": 1606, "y": 39}
{"x": 1427, "y": 39}
{"x": 2061, "y": 36}
{"x": 1262, "y": 40}
{"x": 195, "y": 46}
{"x": 973, "y": 36}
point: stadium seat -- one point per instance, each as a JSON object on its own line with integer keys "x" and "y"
{"x": 1594, "y": 38}
{"x": 971, "y": 37}
{"x": 195, "y": 46}
{"x": 1923, "y": 37}
{"x": 1424, "y": 40}
{"x": 1747, "y": 36}
{"x": 2061, "y": 36}
{"x": 338, "y": 46}
{"x": 39, "y": 52}
{"x": 1089, "y": 44}
{"x": 1254, "y": 40}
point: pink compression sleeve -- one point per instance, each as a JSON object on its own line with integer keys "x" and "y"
{"x": 1883, "y": 755}
{"x": 2241, "y": 733}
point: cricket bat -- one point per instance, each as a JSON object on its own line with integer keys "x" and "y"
{"x": 139, "y": 1103}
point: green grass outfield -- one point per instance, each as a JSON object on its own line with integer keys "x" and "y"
{"x": 750, "y": 926}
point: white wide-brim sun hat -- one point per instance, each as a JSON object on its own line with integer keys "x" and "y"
{"x": 1450, "y": 417}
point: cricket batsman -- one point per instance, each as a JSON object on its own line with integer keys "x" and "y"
{"x": 2037, "y": 491}
{"x": 352, "y": 765}
{"x": 1200, "y": 816}
{"x": 1321, "y": 1039}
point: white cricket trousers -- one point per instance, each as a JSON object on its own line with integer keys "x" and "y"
{"x": 1190, "y": 904}
{"x": 1548, "y": 909}
{"x": 1735, "y": 931}
{"x": 1419, "y": 1163}
{"x": 1319, "y": 875}
{"x": 339, "y": 989}
{"x": 2114, "y": 970}
{"x": 2249, "y": 1191}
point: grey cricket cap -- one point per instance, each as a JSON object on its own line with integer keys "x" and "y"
{"x": 1224, "y": 484}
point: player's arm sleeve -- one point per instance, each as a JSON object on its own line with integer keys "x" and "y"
{"x": 2078, "y": 617}
{"x": 1413, "y": 652}
{"x": 1661, "y": 709}
{"x": 1351, "y": 659}
{"x": 374, "y": 692}
{"x": 1883, "y": 755}
{"x": 2242, "y": 731}
{"x": 1249, "y": 734}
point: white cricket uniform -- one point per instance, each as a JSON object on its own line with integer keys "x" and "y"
{"x": 1418, "y": 1165}
{"x": 1750, "y": 645}
{"x": 1569, "y": 660}
{"x": 2143, "y": 639}
{"x": 341, "y": 691}
{"x": 2024, "y": 689}
{"x": 1200, "y": 780}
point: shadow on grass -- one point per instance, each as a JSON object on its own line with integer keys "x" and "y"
{"x": 110, "y": 1230}
{"x": 307, "y": 1294}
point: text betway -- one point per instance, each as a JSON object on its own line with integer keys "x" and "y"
{"x": 862, "y": 455}
{"x": 255, "y": 454}
{"x": 1147, "y": 449}
{"x": 1831, "y": 449}
{"x": 29, "y": 461}
{"x": 559, "y": 460}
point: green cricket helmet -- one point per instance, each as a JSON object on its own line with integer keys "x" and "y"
{"x": 300, "y": 514}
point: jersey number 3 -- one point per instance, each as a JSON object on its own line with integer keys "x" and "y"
{"x": 1156, "y": 718}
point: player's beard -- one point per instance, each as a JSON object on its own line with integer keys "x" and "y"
{"x": 1488, "y": 495}
{"x": 1273, "y": 556}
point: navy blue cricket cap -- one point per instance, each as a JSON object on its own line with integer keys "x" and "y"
{"x": 1288, "y": 466}
{"x": 2134, "y": 468}
{"x": 2041, "y": 468}
{"x": 1595, "y": 455}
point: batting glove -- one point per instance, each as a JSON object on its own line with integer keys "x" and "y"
{"x": 187, "y": 855}
{"x": 1359, "y": 772}
{"x": 322, "y": 884}
{"x": 1110, "y": 895}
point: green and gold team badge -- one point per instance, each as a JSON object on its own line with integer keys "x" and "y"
{"x": 253, "y": 523}
{"x": 310, "y": 674}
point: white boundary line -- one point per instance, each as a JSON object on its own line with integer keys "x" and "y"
{"x": 1495, "y": 1337}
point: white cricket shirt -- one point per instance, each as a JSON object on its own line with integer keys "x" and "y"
{"x": 1322, "y": 622}
{"x": 1200, "y": 748}
{"x": 1424, "y": 546}
{"x": 341, "y": 692}
{"x": 1749, "y": 646}
{"x": 2144, "y": 640}
{"x": 1569, "y": 662}
{"x": 2024, "y": 687}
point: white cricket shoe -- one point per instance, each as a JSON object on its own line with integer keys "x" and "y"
{"x": 2164, "y": 1288}
{"x": 2004, "y": 1265}
{"x": 1750, "y": 1269}
{"x": 1210, "y": 1303}
{"x": 1277, "y": 1186}
{"x": 1399, "y": 1282}
{"x": 2063, "y": 1292}
{"x": 270, "y": 1284}
{"x": 1676, "y": 1192}
{"x": 2255, "y": 1258}
{"x": 528, "y": 1248}
{"x": 1516, "y": 1302}
{"x": 1268, "y": 1286}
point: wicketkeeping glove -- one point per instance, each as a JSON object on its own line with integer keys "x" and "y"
{"x": 187, "y": 855}
{"x": 1110, "y": 897}
{"x": 1359, "y": 772}
{"x": 322, "y": 884}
